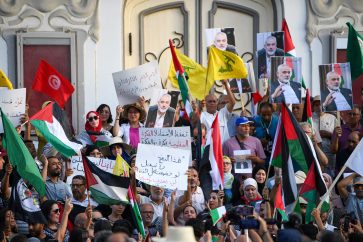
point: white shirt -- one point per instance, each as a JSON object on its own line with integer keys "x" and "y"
{"x": 124, "y": 132}
{"x": 158, "y": 208}
{"x": 223, "y": 116}
{"x": 289, "y": 94}
{"x": 159, "y": 121}
{"x": 340, "y": 101}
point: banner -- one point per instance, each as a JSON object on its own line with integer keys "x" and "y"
{"x": 12, "y": 102}
{"x": 177, "y": 137}
{"x": 162, "y": 166}
{"x": 135, "y": 82}
{"x": 77, "y": 166}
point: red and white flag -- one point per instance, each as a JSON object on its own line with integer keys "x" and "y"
{"x": 214, "y": 144}
{"x": 48, "y": 81}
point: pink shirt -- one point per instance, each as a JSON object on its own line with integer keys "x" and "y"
{"x": 134, "y": 137}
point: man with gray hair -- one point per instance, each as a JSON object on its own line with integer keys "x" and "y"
{"x": 335, "y": 97}
{"x": 263, "y": 55}
{"x": 284, "y": 90}
{"x": 161, "y": 115}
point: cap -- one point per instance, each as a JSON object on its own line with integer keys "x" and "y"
{"x": 358, "y": 180}
{"x": 242, "y": 120}
{"x": 316, "y": 98}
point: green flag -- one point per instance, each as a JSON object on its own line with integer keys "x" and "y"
{"x": 354, "y": 52}
{"x": 20, "y": 156}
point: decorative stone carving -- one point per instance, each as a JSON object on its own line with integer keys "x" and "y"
{"x": 75, "y": 12}
{"x": 325, "y": 14}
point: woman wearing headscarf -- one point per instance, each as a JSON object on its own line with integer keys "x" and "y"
{"x": 259, "y": 174}
{"x": 251, "y": 195}
{"x": 129, "y": 132}
{"x": 94, "y": 134}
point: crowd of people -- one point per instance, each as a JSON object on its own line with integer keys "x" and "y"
{"x": 69, "y": 213}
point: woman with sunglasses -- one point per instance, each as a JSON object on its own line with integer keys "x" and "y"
{"x": 55, "y": 228}
{"x": 93, "y": 132}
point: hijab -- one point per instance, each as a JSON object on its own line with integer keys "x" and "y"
{"x": 93, "y": 131}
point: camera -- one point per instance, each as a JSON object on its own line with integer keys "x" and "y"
{"x": 249, "y": 223}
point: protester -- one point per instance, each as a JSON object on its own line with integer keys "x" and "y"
{"x": 106, "y": 117}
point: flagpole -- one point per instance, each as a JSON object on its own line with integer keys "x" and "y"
{"x": 332, "y": 186}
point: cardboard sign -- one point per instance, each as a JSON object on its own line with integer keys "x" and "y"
{"x": 177, "y": 137}
{"x": 162, "y": 166}
{"x": 139, "y": 81}
{"x": 12, "y": 103}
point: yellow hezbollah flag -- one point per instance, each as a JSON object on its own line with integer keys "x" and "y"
{"x": 4, "y": 81}
{"x": 223, "y": 65}
{"x": 121, "y": 167}
{"x": 195, "y": 72}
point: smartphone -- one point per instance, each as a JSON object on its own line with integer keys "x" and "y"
{"x": 245, "y": 210}
{"x": 250, "y": 223}
{"x": 346, "y": 223}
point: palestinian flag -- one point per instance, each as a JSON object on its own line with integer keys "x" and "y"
{"x": 214, "y": 149}
{"x": 279, "y": 203}
{"x": 51, "y": 129}
{"x": 182, "y": 82}
{"x": 217, "y": 214}
{"x": 307, "y": 113}
{"x": 292, "y": 152}
{"x": 289, "y": 47}
{"x": 313, "y": 185}
{"x": 20, "y": 157}
{"x": 105, "y": 187}
{"x": 355, "y": 52}
{"x": 136, "y": 213}
{"x": 336, "y": 67}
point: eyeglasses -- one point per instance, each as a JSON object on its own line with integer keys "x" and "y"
{"x": 77, "y": 185}
{"x": 227, "y": 163}
{"x": 147, "y": 212}
{"x": 90, "y": 119}
{"x": 56, "y": 210}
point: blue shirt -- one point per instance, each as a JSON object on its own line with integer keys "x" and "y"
{"x": 261, "y": 126}
{"x": 57, "y": 191}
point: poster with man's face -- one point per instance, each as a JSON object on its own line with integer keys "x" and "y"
{"x": 268, "y": 44}
{"x": 224, "y": 39}
{"x": 335, "y": 87}
{"x": 162, "y": 114}
{"x": 286, "y": 78}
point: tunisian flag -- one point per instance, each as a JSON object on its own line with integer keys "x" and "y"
{"x": 48, "y": 81}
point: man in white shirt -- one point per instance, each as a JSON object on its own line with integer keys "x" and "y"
{"x": 207, "y": 117}
{"x": 284, "y": 90}
{"x": 335, "y": 98}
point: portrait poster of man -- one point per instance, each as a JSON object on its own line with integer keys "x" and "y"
{"x": 285, "y": 81}
{"x": 244, "y": 85}
{"x": 335, "y": 87}
{"x": 268, "y": 44}
{"x": 242, "y": 164}
{"x": 224, "y": 39}
{"x": 162, "y": 114}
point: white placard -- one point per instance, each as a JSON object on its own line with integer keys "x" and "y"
{"x": 12, "y": 103}
{"x": 176, "y": 137}
{"x": 77, "y": 165}
{"x": 242, "y": 165}
{"x": 132, "y": 83}
{"x": 162, "y": 166}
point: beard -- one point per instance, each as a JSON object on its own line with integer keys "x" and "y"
{"x": 55, "y": 173}
{"x": 162, "y": 110}
{"x": 271, "y": 53}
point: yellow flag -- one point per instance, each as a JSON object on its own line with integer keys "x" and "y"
{"x": 223, "y": 65}
{"x": 121, "y": 167}
{"x": 195, "y": 72}
{"x": 4, "y": 81}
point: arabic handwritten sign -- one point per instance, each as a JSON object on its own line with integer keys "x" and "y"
{"x": 12, "y": 102}
{"x": 177, "y": 137}
{"x": 162, "y": 166}
{"x": 135, "y": 82}
{"x": 77, "y": 166}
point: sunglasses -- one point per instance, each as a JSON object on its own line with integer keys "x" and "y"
{"x": 56, "y": 210}
{"x": 90, "y": 119}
